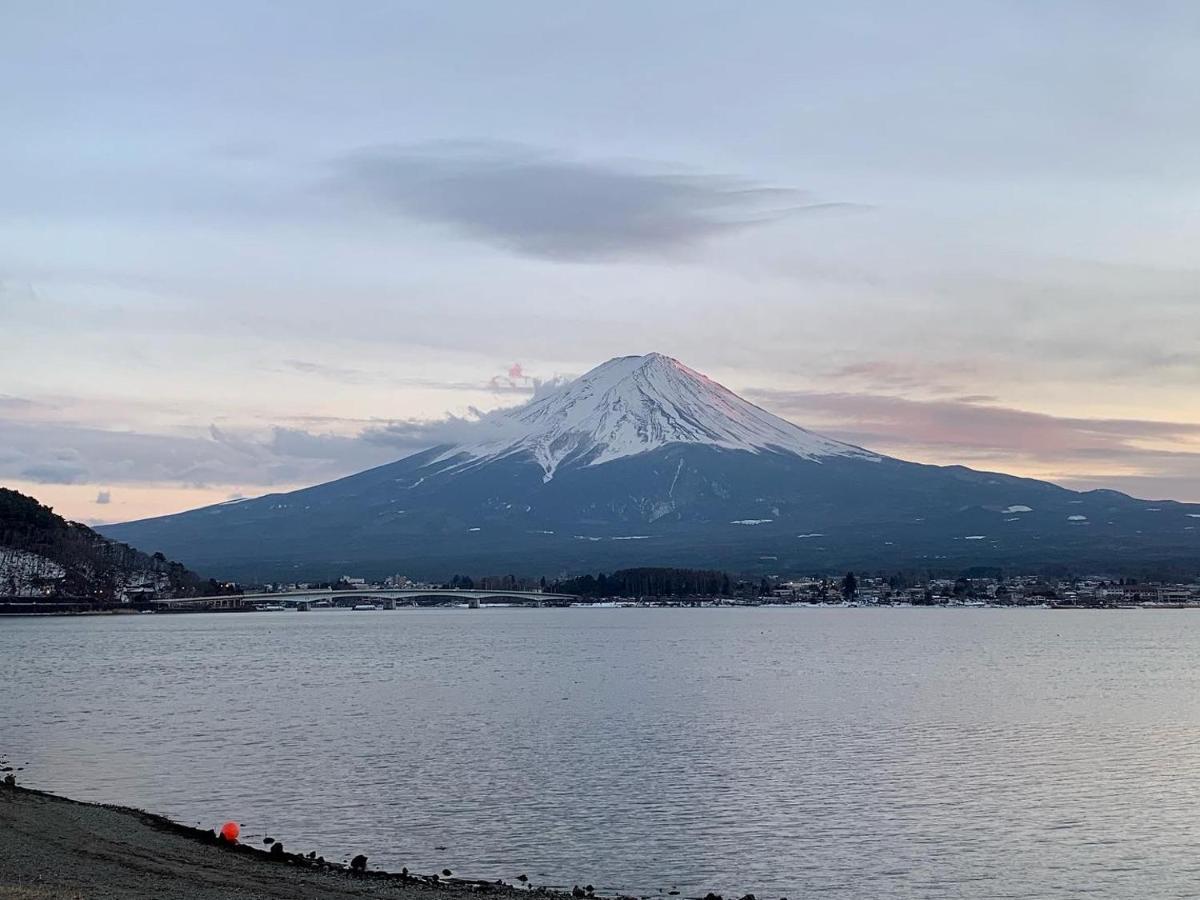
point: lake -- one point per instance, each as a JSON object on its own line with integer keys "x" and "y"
{"x": 850, "y": 753}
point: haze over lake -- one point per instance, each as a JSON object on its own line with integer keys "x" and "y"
{"x": 851, "y": 753}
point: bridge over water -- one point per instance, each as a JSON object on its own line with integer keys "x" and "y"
{"x": 293, "y": 598}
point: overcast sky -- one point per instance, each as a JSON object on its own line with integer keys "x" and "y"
{"x": 251, "y": 246}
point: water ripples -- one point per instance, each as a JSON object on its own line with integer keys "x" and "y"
{"x": 855, "y": 753}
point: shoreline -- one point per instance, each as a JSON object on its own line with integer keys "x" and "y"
{"x": 64, "y": 849}
{"x": 7, "y": 611}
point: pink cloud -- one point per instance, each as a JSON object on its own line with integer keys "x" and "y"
{"x": 970, "y": 428}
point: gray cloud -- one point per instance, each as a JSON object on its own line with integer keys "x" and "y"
{"x": 280, "y": 456}
{"x": 411, "y": 435}
{"x": 54, "y": 473}
{"x": 541, "y": 205}
{"x": 963, "y": 422}
{"x": 497, "y": 384}
{"x": 15, "y": 404}
{"x": 56, "y": 463}
{"x": 908, "y": 375}
{"x": 103, "y": 498}
{"x": 333, "y": 373}
{"x": 117, "y": 457}
{"x": 966, "y": 429}
{"x": 72, "y": 452}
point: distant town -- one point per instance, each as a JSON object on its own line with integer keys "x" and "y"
{"x": 32, "y": 584}
{"x": 850, "y": 590}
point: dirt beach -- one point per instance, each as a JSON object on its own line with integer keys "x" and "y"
{"x": 52, "y": 847}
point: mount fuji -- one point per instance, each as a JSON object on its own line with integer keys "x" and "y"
{"x": 643, "y": 461}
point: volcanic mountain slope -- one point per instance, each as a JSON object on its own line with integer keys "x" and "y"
{"x": 643, "y": 461}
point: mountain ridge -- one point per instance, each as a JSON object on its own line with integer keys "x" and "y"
{"x": 643, "y": 461}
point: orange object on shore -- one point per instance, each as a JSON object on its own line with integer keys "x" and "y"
{"x": 230, "y": 832}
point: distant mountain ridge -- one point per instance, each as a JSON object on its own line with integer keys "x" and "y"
{"x": 42, "y": 554}
{"x": 643, "y": 461}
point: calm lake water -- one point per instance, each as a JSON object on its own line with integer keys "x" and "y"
{"x": 788, "y": 752}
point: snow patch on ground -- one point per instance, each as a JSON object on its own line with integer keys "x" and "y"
{"x": 26, "y": 574}
{"x": 810, "y": 535}
{"x": 751, "y": 521}
{"x": 658, "y": 510}
{"x": 1076, "y": 518}
{"x": 678, "y": 469}
{"x": 631, "y": 537}
{"x": 1017, "y": 508}
{"x": 975, "y": 537}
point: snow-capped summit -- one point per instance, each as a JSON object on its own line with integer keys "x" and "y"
{"x": 634, "y": 404}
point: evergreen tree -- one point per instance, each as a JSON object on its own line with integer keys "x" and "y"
{"x": 849, "y": 586}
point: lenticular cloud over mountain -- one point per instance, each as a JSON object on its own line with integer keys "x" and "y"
{"x": 643, "y": 461}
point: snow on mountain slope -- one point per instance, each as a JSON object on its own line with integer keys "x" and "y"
{"x": 634, "y": 404}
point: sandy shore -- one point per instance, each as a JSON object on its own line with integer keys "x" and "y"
{"x": 51, "y": 847}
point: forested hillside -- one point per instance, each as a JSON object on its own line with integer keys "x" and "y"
{"x": 42, "y": 554}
